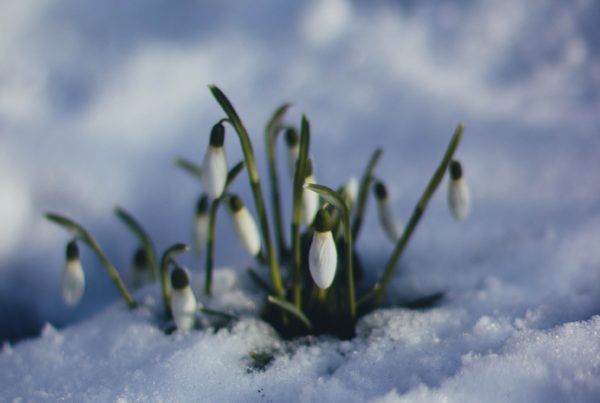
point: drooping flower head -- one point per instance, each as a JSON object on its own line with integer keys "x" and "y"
{"x": 387, "y": 218}
{"x": 245, "y": 226}
{"x": 200, "y": 234}
{"x": 214, "y": 165}
{"x": 73, "y": 279}
{"x": 140, "y": 271}
{"x": 322, "y": 255}
{"x": 183, "y": 301}
{"x": 293, "y": 150}
{"x": 459, "y": 196}
{"x": 310, "y": 199}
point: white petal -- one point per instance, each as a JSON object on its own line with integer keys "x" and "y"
{"x": 183, "y": 308}
{"x": 352, "y": 187}
{"x": 200, "y": 233}
{"x": 391, "y": 225}
{"x": 292, "y": 156}
{"x": 246, "y": 230}
{"x": 310, "y": 203}
{"x": 73, "y": 282}
{"x": 459, "y": 198}
{"x": 322, "y": 259}
{"x": 214, "y": 171}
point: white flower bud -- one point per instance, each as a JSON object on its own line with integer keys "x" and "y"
{"x": 140, "y": 274}
{"x": 200, "y": 234}
{"x": 293, "y": 150}
{"x": 73, "y": 278}
{"x": 322, "y": 255}
{"x": 349, "y": 191}
{"x": 214, "y": 165}
{"x": 391, "y": 225}
{"x": 183, "y": 301}
{"x": 245, "y": 226}
{"x": 459, "y": 196}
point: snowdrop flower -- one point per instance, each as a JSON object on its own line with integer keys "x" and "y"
{"x": 245, "y": 227}
{"x": 349, "y": 191}
{"x": 214, "y": 165}
{"x": 140, "y": 274}
{"x": 73, "y": 279}
{"x": 293, "y": 150}
{"x": 322, "y": 255}
{"x": 459, "y": 197}
{"x": 183, "y": 301}
{"x": 391, "y": 226}
{"x": 201, "y": 224}
{"x": 310, "y": 199}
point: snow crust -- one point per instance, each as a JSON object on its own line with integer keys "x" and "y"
{"x": 96, "y": 103}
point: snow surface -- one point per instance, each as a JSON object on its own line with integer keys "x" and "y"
{"x": 96, "y": 100}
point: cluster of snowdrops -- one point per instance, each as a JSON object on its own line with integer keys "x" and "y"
{"x": 312, "y": 286}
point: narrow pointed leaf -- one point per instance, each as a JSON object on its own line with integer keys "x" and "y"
{"x": 289, "y": 308}
{"x": 188, "y": 166}
{"x": 363, "y": 192}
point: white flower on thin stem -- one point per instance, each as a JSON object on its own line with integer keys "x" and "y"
{"x": 245, "y": 226}
{"x": 73, "y": 279}
{"x": 214, "y": 165}
{"x": 322, "y": 255}
{"x": 349, "y": 191}
{"x": 391, "y": 225}
{"x": 200, "y": 234}
{"x": 310, "y": 199}
{"x": 140, "y": 274}
{"x": 459, "y": 196}
{"x": 183, "y": 301}
{"x": 293, "y": 150}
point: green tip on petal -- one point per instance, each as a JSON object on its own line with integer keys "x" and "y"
{"x": 217, "y": 135}
{"x": 72, "y": 250}
{"x": 291, "y": 137}
{"x": 456, "y": 171}
{"x": 179, "y": 278}
{"x": 140, "y": 259}
{"x": 323, "y": 221}
{"x": 380, "y": 191}
{"x": 202, "y": 205}
{"x": 235, "y": 203}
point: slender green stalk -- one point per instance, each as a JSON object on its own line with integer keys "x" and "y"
{"x": 212, "y": 219}
{"x": 417, "y": 214}
{"x": 289, "y": 308}
{"x": 363, "y": 193}
{"x": 299, "y": 177}
{"x": 255, "y": 186}
{"x": 80, "y": 233}
{"x": 338, "y": 201}
{"x": 189, "y": 167}
{"x": 165, "y": 260}
{"x": 259, "y": 280}
{"x": 142, "y": 236}
{"x": 272, "y": 129}
{"x": 210, "y": 246}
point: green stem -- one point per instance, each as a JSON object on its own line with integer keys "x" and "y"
{"x": 142, "y": 236}
{"x": 254, "y": 185}
{"x": 271, "y": 132}
{"x": 165, "y": 260}
{"x": 363, "y": 193}
{"x": 85, "y": 236}
{"x": 210, "y": 247}
{"x": 417, "y": 214}
{"x": 299, "y": 176}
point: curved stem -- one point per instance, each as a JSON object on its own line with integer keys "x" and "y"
{"x": 85, "y": 236}
{"x": 417, "y": 214}
{"x": 142, "y": 236}
{"x": 254, "y": 185}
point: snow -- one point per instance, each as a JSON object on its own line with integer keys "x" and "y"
{"x": 96, "y": 101}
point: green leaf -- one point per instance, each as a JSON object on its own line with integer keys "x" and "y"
{"x": 289, "y": 308}
{"x": 363, "y": 192}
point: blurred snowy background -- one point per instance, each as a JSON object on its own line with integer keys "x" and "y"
{"x": 98, "y": 98}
